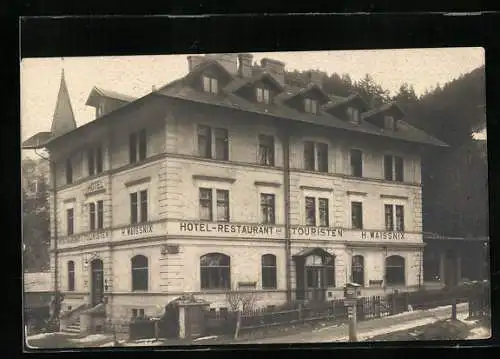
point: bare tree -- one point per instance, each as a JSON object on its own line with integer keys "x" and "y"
{"x": 240, "y": 302}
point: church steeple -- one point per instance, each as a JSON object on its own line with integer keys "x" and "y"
{"x": 64, "y": 118}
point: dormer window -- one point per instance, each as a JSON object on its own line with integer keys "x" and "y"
{"x": 389, "y": 123}
{"x": 311, "y": 106}
{"x": 210, "y": 85}
{"x": 263, "y": 95}
{"x": 99, "y": 110}
{"x": 353, "y": 114}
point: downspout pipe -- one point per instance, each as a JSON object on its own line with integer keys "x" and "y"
{"x": 286, "y": 188}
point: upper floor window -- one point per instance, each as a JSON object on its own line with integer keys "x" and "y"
{"x": 353, "y": 114}
{"x": 137, "y": 146}
{"x": 139, "y": 207}
{"x": 394, "y": 217}
{"x": 221, "y": 150}
{"x": 266, "y": 150}
{"x": 206, "y": 204}
{"x": 356, "y": 163}
{"x": 70, "y": 221}
{"x": 139, "y": 266}
{"x": 210, "y": 85}
{"x": 69, "y": 171}
{"x": 315, "y": 156}
{"x": 318, "y": 214}
{"x": 96, "y": 215}
{"x": 389, "y": 123}
{"x": 357, "y": 215}
{"x": 263, "y": 95}
{"x": 267, "y": 208}
{"x": 94, "y": 160}
{"x": 311, "y": 106}
{"x": 393, "y": 168}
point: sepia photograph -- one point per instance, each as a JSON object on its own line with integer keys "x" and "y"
{"x": 255, "y": 198}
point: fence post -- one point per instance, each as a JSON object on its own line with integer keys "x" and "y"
{"x": 300, "y": 314}
{"x": 394, "y": 304}
{"x": 353, "y": 337}
{"x": 454, "y": 309}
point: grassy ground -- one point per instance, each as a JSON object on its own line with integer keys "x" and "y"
{"x": 442, "y": 330}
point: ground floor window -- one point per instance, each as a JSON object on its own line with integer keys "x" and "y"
{"x": 215, "y": 271}
{"x": 358, "y": 270}
{"x": 431, "y": 264}
{"x": 139, "y": 273}
{"x": 395, "y": 270}
{"x": 269, "y": 271}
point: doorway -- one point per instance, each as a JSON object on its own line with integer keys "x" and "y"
{"x": 315, "y": 273}
{"x": 97, "y": 282}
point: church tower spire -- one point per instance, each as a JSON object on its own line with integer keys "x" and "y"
{"x": 64, "y": 119}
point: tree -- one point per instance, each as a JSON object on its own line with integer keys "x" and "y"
{"x": 36, "y": 218}
{"x": 240, "y": 302}
{"x": 373, "y": 94}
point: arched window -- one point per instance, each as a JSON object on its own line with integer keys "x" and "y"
{"x": 358, "y": 270}
{"x": 139, "y": 273}
{"x": 71, "y": 276}
{"x": 395, "y": 270}
{"x": 215, "y": 271}
{"x": 269, "y": 280}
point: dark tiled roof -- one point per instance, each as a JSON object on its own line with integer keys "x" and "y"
{"x": 37, "y": 140}
{"x": 179, "y": 90}
{"x": 114, "y": 95}
{"x": 337, "y": 100}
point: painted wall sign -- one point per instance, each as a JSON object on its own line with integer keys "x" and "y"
{"x": 137, "y": 230}
{"x": 242, "y": 229}
{"x": 95, "y": 186}
{"x": 382, "y": 235}
{"x": 317, "y": 231}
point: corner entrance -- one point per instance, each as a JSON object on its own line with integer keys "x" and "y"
{"x": 97, "y": 282}
{"x": 315, "y": 272}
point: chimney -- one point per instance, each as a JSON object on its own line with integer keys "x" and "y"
{"x": 316, "y": 77}
{"x": 194, "y": 61}
{"x": 228, "y": 61}
{"x": 245, "y": 66}
{"x": 275, "y": 68}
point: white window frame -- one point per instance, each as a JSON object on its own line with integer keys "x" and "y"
{"x": 311, "y": 105}
{"x": 316, "y": 144}
{"x": 212, "y": 140}
{"x": 262, "y": 189}
{"x": 263, "y": 95}
{"x": 317, "y": 194}
{"x": 136, "y": 189}
{"x": 394, "y": 203}
{"x": 70, "y": 205}
{"x": 95, "y": 199}
{"x": 355, "y": 198}
{"x": 354, "y": 115}
{"x": 213, "y": 83}
{"x": 393, "y": 155}
{"x": 362, "y": 162}
{"x": 214, "y": 186}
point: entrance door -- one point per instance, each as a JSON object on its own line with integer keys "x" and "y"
{"x": 97, "y": 282}
{"x": 315, "y": 284}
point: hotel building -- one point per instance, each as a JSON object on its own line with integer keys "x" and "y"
{"x": 231, "y": 179}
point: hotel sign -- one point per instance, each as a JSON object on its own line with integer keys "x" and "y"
{"x": 316, "y": 231}
{"x": 137, "y": 230}
{"x": 383, "y": 235}
{"x": 95, "y": 186}
{"x": 235, "y": 229}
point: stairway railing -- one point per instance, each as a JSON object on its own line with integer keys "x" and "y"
{"x": 70, "y": 317}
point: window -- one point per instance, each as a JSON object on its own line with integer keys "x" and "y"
{"x": 139, "y": 273}
{"x": 322, "y": 155}
{"x": 395, "y": 270}
{"x": 315, "y": 156}
{"x": 357, "y": 215}
{"x": 389, "y": 217}
{"x": 96, "y": 215}
{"x": 324, "y": 220}
{"x": 353, "y": 114}
{"x": 269, "y": 280}
{"x": 310, "y": 211}
{"x": 137, "y": 313}
{"x": 393, "y": 168}
{"x": 398, "y": 168}
{"x": 263, "y": 95}
{"x": 215, "y": 272}
{"x": 204, "y": 141}
{"x": 139, "y": 207}
{"x": 330, "y": 271}
{"x": 70, "y": 221}
{"x": 389, "y": 123}
{"x": 221, "y": 144}
{"x": 206, "y": 204}
{"x": 358, "y": 270}
{"x": 266, "y": 150}
{"x": 267, "y": 208}
{"x": 69, "y": 171}
{"x": 222, "y": 205}
{"x": 356, "y": 163}
{"x": 210, "y": 85}
{"x": 71, "y": 276}
{"x": 431, "y": 265}
{"x": 309, "y": 155}
{"x": 94, "y": 161}
{"x": 388, "y": 168}
{"x": 137, "y": 146}
{"x": 398, "y": 223}
{"x": 311, "y": 106}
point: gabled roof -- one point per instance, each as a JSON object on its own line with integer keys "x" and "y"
{"x": 384, "y": 108}
{"x": 340, "y": 101}
{"x": 37, "y": 141}
{"x": 302, "y": 91}
{"x": 240, "y": 82}
{"x": 100, "y": 92}
{"x": 204, "y": 65}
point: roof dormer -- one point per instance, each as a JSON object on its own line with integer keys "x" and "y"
{"x": 260, "y": 88}
{"x": 386, "y": 117}
{"x": 308, "y": 99}
{"x": 208, "y": 76}
{"x": 348, "y": 108}
{"x": 105, "y": 101}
